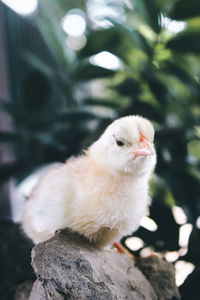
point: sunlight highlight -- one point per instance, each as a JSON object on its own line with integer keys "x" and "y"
{"x": 106, "y": 60}
{"x": 176, "y": 26}
{"x": 179, "y": 215}
{"x": 171, "y": 256}
{"x": 198, "y": 222}
{"x": 183, "y": 269}
{"x": 173, "y": 26}
{"x": 99, "y": 11}
{"x": 184, "y": 234}
{"x": 74, "y": 24}
{"x": 149, "y": 224}
{"x": 22, "y": 7}
{"x": 146, "y": 252}
{"x": 134, "y": 243}
{"x": 76, "y": 43}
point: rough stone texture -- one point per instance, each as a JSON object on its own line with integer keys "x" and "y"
{"x": 160, "y": 274}
{"x": 38, "y": 292}
{"x": 68, "y": 267}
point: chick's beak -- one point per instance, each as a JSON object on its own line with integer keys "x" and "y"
{"x": 144, "y": 148}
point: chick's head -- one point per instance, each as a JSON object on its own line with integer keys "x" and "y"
{"x": 126, "y": 146}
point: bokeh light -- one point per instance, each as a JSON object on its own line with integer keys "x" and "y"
{"x": 134, "y": 243}
{"x": 106, "y": 60}
{"x": 74, "y": 24}
{"x": 22, "y": 7}
{"x": 149, "y": 224}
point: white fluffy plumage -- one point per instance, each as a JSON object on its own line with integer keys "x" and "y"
{"x": 102, "y": 194}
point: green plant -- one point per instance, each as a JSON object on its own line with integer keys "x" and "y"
{"x": 160, "y": 80}
{"x": 51, "y": 122}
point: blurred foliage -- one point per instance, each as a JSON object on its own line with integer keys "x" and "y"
{"x": 159, "y": 78}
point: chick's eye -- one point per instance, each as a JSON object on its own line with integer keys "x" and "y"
{"x": 119, "y": 143}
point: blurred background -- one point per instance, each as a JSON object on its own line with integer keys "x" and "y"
{"x": 69, "y": 68}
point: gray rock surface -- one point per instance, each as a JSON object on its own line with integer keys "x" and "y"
{"x": 161, "y": 275}
{"x": 38, "y": 292}
{"x": 68, "y": 267}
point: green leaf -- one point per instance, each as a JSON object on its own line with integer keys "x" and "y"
{"x": 157, "y": 87}
{"x": 99, "y": 102}
{"x": 48, "y": 140}
{"x": 129, "y": 87}
{"x": 8, "y": 137}
{"x": 101, "y": 40}
{"x": 35, "y": 91}
{"x": 87, "y": 71}
{"x": 14, "y": 111}
{"x": 175, "y": 70}
{"x": 54, "y": 75}
{"x": 144, "y": 109}
{"x": 186, "y": 42}
{"x": 149, "y": 12}
{"x": 194, "y": 148}
{"x": 133, "y": 35}
{"x": 76, "y": 115}
{"x": 39, "y": 64}
{"x": 55, "y": 38}
{"x": 141, "y": 42}
{"x": 184, "y": 9}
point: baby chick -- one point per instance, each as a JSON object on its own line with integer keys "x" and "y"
{"x": 102, "y": 194}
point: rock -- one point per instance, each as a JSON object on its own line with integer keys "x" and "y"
{"x": 38, "y": 292}
{"x": 161, "y": 275}
{"x": 69, "y": 267}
